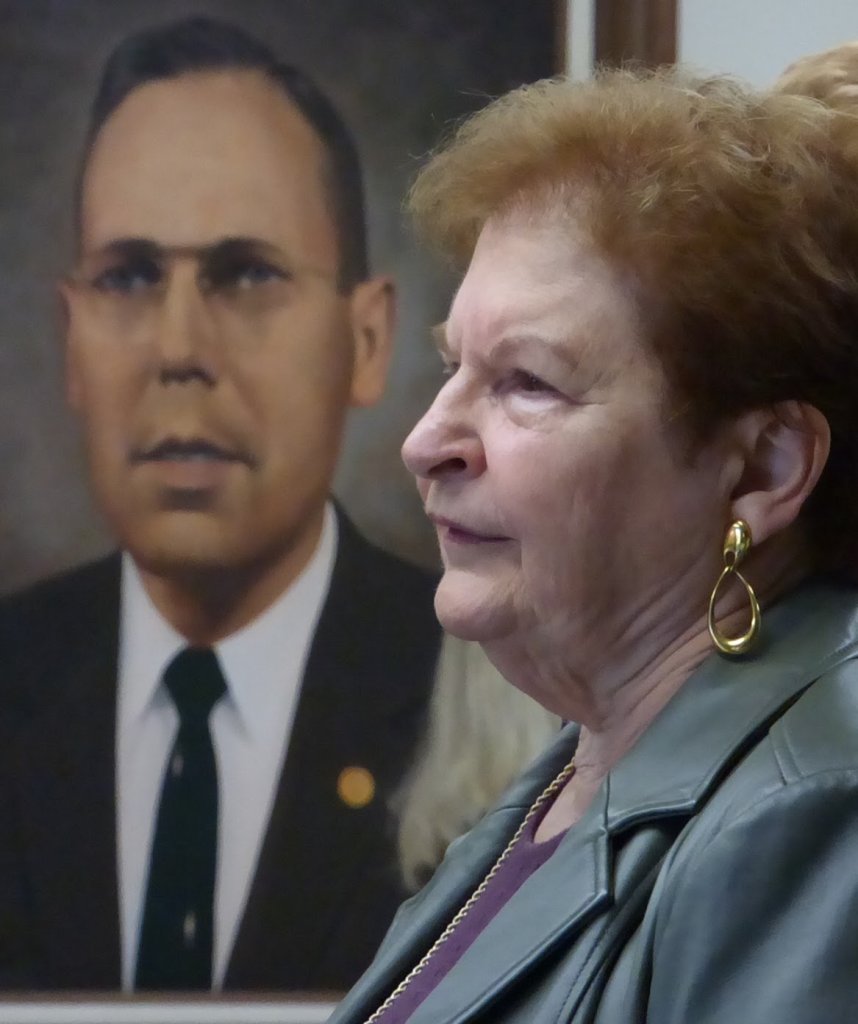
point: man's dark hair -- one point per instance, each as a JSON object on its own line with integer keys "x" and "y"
{"x": 207, "y": 44}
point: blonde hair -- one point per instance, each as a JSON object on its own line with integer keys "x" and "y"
{"x": 732, "y": 214}
{"x": 830, "y": 76}
{"x": 482, "y": 731}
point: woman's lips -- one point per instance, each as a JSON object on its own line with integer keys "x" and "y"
{"x": 459, "y": 533}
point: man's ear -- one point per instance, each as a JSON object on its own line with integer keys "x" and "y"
{"x": 785, "y": 450}
{"x": 64, "y": 305}
{"x": 373, "y": 321}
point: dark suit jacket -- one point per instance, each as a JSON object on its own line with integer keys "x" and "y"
{"x": 714, "y": 878}
{"x": 325, "y": 886}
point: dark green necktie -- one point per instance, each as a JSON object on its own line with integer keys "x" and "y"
{"x": 175, "y": 950}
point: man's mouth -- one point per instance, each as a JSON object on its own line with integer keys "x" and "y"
{"x": 189, "y": 450}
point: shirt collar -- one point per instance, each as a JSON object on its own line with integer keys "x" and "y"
{"x": 274, "y": 646}
{"x": 255, "y": 660}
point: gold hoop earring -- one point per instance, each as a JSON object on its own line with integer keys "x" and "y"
{"x": 737, "y": 544}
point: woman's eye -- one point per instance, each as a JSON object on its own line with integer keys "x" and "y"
{"x": 129, "y": 278}
{"x": 529, "y": 383}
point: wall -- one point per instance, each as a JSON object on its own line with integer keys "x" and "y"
{"x": 579, "y": 38}
{"x": 757, "y": 39}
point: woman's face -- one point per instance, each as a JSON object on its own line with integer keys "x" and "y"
{"x": 568, "y": 513}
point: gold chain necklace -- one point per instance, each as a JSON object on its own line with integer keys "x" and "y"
{"x": 550, "y": 791}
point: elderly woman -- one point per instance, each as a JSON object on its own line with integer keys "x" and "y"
{"x": 643, "y": 471}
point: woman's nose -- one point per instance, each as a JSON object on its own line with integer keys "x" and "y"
{"x": 444, "y": 444}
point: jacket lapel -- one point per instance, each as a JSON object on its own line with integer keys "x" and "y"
{"x": 359, "y": 706}
{"x": 469, "y": 858}
{"x": 571, "y": 887}
{"x": 65, "y": 792}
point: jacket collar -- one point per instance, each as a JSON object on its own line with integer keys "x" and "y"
{"x": 684, "y": 752}
{"x": 686, "y": 749}
{"x": 675, "y": 764}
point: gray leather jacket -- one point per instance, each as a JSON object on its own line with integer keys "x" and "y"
{"x": 713, "y": 879}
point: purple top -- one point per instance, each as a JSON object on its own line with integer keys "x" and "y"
{"x": 526, "y": 857}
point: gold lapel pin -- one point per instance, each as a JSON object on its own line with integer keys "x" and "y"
{"x": 355, "y": 786}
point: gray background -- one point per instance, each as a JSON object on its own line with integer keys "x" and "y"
{"x": 399, "y": 70}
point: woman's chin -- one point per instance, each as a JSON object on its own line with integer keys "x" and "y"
{"x": 466, "y": 610}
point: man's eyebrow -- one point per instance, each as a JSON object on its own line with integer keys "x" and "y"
{"x": 128, "y": 248}
{"x": 237, "y": 245}
{"x": 147, "y": 248}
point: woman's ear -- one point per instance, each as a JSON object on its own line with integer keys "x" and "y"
{"x": 373, "y": 321}
{"x": 785, "y": 450}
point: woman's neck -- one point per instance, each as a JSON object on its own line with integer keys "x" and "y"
{"x": 617, "y": 715}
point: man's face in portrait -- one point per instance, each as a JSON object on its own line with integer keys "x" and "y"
{"x": 211, "y": 352}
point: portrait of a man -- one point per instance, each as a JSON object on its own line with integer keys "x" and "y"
{"x": 215, "y": 672}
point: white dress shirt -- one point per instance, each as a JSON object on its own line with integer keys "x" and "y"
{"x": 263, "y": 665}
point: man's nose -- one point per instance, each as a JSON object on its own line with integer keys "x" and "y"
{"x": 186, "y": 332}
{"x": 446, "y": 442}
